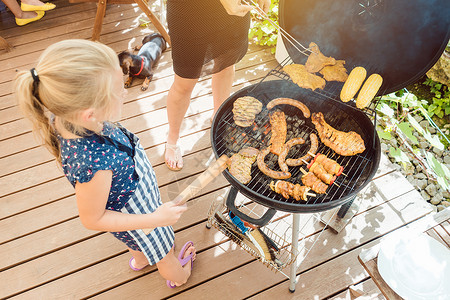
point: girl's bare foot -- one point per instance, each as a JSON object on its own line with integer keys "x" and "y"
{"x": 188, "y": 266}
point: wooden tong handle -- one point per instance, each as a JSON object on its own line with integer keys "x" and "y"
{"x": 199, "y": 183}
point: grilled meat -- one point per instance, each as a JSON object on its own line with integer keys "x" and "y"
{"x": 266, "y": 170}
{"x": 305, "y": 158}
{"x": 331, "y": 166}
{"x": 289, "y": 101}
{"x": 279, "y": 132}
{"x": 321, "y": 173}
{"x": 303, "y": 78}
{"x": 245, "y": 109}
{"x": 343, "y": 143}
{"x": 336, "y": 72}
{"x": 287, "y": 189}
{"x": 240, "y": 164}
{"x": 316, "y": 60}
{"x": 285, "y": 151}
{"x": 311, "y": 181}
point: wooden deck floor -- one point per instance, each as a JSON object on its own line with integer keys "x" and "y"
{"x": 47, "y": 254}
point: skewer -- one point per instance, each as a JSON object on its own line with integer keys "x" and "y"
{"x": 311, "y": 194}
{"x": 312, "y": 154}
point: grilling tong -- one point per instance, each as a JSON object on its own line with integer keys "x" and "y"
{"x": 199, "y": 183}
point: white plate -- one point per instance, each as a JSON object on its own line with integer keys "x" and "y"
{"x": 415, "y": 267}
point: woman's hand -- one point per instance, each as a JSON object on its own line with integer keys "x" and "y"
{"x": 234, "y": 7}
{"x": 168, "y": 213}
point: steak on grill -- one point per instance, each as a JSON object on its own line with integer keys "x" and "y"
{"x": 343, "y": 143}
{"x": 240, "y": 164}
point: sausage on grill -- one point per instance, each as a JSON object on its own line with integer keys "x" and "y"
{"x": 305, "y": 158}
{"x": 266, "y": 170}
{"x": 289, "y": 101}
{"x": 285, "y": 151}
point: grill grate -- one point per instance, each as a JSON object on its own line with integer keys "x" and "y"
{"x": 228, "y": 138}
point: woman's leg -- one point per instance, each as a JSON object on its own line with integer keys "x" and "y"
{"x": 14, "y": 7}
{"x": 221, "y": 86}
{"x": 140, "y": 260}
{"x": 177, "y": 104}
{"x": 170, "y": 268}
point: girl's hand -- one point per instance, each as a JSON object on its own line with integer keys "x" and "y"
{"x": 168, "y": 213}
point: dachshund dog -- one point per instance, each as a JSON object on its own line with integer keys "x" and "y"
{"x": 141, "y": 65}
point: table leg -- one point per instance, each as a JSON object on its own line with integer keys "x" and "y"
{"x": 154, "y": 20}
{"x": 293, "y": 271}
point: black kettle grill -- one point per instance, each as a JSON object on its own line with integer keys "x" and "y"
{"x": 398, "y": 39}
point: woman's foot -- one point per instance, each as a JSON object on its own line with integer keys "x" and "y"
{"x": 28, "y": 17}
{"x": 36, "y": 5}
{"x": 173, "y": 157}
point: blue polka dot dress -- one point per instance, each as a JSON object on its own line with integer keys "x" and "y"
{"x": 134, "y": 189}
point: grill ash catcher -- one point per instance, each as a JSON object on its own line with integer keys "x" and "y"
{"x": 398, "y": 39}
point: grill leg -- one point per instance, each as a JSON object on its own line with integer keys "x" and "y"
{"x": 293, "y": 273}
{"x": 344, "y": 208}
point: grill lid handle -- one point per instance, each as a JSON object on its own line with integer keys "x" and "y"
{"x": 259, "y": 222}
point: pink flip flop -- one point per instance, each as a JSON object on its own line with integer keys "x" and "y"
{"x": 133, "y": 268}
{"x": 183, "y": 261}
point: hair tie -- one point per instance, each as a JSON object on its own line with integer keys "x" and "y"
{"x": 36, "y": 81}
{"x": 35, "y": 75}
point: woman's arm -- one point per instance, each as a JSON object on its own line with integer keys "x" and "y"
{"x": 92, "y": 197}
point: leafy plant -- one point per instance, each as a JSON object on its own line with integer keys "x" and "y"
{"x": 397, "y": 111}
{"x": 262, "y": 32}
{"x": 440, "y": 105}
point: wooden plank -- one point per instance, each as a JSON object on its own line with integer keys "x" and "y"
{"x": 365, "y": 290}
{"x": 443, "y": 234}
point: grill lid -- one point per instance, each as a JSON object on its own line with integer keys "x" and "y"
{"x": 399, "y": 39}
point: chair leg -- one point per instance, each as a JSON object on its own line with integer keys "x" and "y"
{"x": 154, "y": 20}
{"x": 5, "y": 45}
{"x": 101, "y": 11}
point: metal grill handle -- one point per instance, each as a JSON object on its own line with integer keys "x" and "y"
{"x": 259, "y": 222}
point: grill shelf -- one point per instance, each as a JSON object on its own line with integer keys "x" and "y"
{"x": 279, "y": 230}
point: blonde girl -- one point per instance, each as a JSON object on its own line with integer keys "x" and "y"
{"x": 72, "y": 96}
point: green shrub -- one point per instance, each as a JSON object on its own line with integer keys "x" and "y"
{"x": 262, "y": 32}
{"x": 440, "y": 104}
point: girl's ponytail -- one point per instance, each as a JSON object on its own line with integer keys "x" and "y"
{"x": 35, "y": 110}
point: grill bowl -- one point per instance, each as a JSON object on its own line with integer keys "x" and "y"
{"x": 228, "y": 138}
